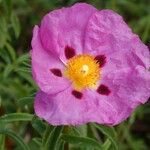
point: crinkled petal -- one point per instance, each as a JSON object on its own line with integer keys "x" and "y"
{"x": 107, "y": 34}
{"x": 107, "y": 30}
{"x": 65, "y": 109}
{"x": 65, "y": 27}
{"x": 42, "y": 62}
{"x": 129, "y": 88}
{"x": 141, "y": 51}
{"x": 119, "y": 60}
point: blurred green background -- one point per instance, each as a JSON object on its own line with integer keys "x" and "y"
{"x": 17, "y": 88}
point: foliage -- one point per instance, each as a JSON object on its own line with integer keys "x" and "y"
{"x": 19, "y": 127}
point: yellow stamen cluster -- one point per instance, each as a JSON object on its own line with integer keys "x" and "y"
{"x": 83, "y": 71}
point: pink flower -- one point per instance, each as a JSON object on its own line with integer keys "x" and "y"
{"x": 89, "y": 67}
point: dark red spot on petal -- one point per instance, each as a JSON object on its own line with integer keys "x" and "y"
{"x": 56, "y": 72}
{"x": 77, "y": 94}
{"x": 104, "y": 90}
{"x": 69, "y": 52}
{"x": 101, "y": 59}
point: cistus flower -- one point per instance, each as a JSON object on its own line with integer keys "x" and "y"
{"x": 89, "y": 66}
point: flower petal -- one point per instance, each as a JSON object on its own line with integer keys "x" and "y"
{"x": 65, "y": 28}
{"x": 107, "y": 30}
{"x": 141, "y": 51}
{"x": 60, "y": 109}
{"x": 46, "y": 68}
{"x": 107, "y": 34}
{"x": 129, "y": 88}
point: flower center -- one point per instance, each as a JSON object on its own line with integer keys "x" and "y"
{"x": 83, "y": 71}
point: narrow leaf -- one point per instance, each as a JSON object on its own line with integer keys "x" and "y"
{"x": 109, "y": 132}
{"x": 37, "y": 141}
{"x": 8, "y": 69}
{"x": 8, "y": 118}
{"x": 2, "y": 142}
{"x": 22, "y": 58}
{"x": 26, "y": 101}
{"x": 38, "y": 125}
{"x": 15, "y": 24}
{"x": 53, "y": 138}
{"x": 81, "y": 141}
{"x": 17, "y": 138}
{"x": 11, "y": 51}
{"x": 47, "y": 132}
{"x": 106, "y": 145}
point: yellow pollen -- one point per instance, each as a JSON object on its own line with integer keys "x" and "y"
{"x": 83, "y": 71}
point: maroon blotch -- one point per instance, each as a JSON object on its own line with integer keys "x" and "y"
{"x": 56, "y": 72}
{"x": 77, "y": 94}
{"x": 101, "y": 59}
{"x": 104, "y": 90}
{"x": 69, "y": 52}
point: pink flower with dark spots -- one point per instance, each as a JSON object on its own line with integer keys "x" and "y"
{"x": 89, "y": 66}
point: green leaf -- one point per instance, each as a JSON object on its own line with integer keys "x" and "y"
{"x": 37, "y": 141}
{"x": 27, "y": 64}
{"x": 8, "y": 118}
{"x": 24, "y": 70}
{"x": 47, "y": 132}
{"x": 17, "y": 138}
{"x": 15, "y": 24}
{"x": 38, "y": 125}
{"x": 81, "y": 141}
{"x": 27, "y": 77}
{"x": 22, "y": 58}
{"x": 8, "y": 6}
{"x": 26, "y": 101}
{"x": 53, "y": 138}
{"x": 4, "y": 35}
{"x": 107, "y": 144}
{"x": 35, "y": 144}
{"x": 82, "y": 130}
{"x": 110, "y": 133}
{"x": 2, "y": 142}
{"x": 61, "y": 145}
{"x": 147, "y": 30}
{"x": 8, "y": 69}
{"x": 11, "y": 51}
